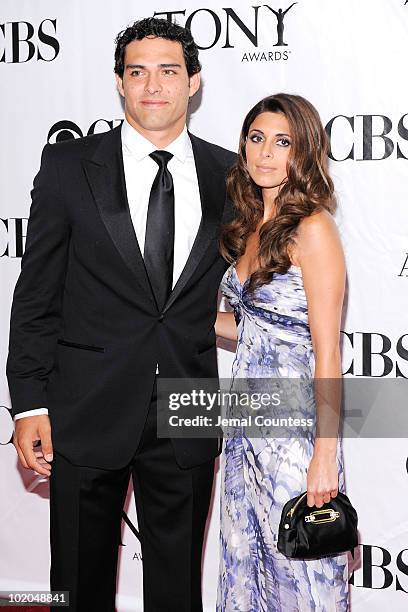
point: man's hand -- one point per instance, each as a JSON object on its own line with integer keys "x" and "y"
{"x": 27, "y": 431}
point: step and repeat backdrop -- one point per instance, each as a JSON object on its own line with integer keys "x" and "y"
{"x": 348, "y": 58}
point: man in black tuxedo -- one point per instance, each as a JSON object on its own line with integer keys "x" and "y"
{"x": 118, "y": 286}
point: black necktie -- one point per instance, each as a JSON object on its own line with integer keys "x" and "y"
{"x": 159, "y": 239}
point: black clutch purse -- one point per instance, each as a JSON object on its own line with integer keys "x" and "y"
{"x": 310, "y": 533}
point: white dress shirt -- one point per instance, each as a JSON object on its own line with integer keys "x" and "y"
{"x": 140, "y": 171}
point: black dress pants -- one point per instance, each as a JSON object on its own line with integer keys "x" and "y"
{"x": 85, "y": 525}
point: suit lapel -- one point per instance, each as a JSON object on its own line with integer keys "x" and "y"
{"x": 106, "y": 177}
{"x": 211, "y": 182}
{"x": 105, "y": 174}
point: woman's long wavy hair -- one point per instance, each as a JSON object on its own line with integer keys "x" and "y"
{"x": 307, "y": 189}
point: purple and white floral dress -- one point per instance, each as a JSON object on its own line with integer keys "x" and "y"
{"x": 260, "y": 474}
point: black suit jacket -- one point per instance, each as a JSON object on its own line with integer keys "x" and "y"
{"x": 85, "y": 331}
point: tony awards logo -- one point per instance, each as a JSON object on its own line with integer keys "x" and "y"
{"x": 231, "y": 28}
{"x": 280, "y": 16}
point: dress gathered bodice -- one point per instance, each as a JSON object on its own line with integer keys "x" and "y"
{"x": 273, "y": 329}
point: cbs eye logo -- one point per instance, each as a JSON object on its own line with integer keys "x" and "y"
{"x": 66, "y": 130}
{"x": 6, "y": 426}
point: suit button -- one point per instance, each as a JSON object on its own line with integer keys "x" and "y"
{"x": 161, "y": 318}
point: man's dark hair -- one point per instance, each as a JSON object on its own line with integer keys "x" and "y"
{"x": 160, "y": 28}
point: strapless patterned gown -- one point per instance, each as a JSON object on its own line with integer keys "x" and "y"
{"x": 260, "y": 474}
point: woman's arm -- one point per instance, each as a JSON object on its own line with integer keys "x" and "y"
{"x": 225, "y": 325}
{"x": 321, "y": 258}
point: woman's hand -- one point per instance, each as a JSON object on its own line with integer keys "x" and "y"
{"x": 225, "y": 325}
{"x": 322, "y": 480}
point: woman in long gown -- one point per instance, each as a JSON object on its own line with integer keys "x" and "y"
{"x": 286, "y": 286}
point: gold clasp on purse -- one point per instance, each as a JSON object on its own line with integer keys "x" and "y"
{"x": 316, "y": 517}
